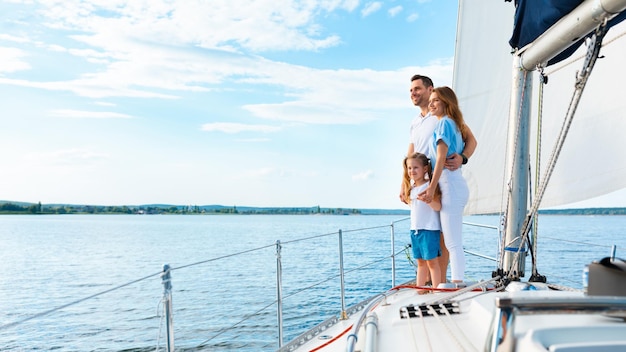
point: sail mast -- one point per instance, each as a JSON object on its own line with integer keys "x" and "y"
{"x": 518, "y": 158}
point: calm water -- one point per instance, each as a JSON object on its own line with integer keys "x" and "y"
{"x": 50, "y": 261}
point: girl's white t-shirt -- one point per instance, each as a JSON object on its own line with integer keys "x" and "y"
{"x": 423, "y": 217}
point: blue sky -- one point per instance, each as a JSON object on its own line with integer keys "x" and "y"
{"x": 232, "y": 102}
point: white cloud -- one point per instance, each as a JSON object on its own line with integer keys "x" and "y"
{"x": 252, "y": 24}
{"x": 254, "y": 140}
{"x": 274, "y": 173}
{"x": 413, "y": 17}
{"x": 362, "y": 176}
{"x": 105, "y": 103}
{"x": 263, "y": 172}
{"x": 266, "y": 171}
{"x": 12, "y": 60}
{"x": 349, "y": 5}
{"x": 87, "y": 88}
{"x": 146, "y": 53}
{"x": 13, "y": 38}
{"x": 142, "y": 46}
{"x": 227, "y": 127}
{"x": 57, "y": 48}
{"x": 76, "y": 156}
{"x": 395, "y": 10}
{"x": 306, "y": 112}
{"x": 370, "y": 8}
{"x": 341, "y": 96}
{"x": 87, "y": 53}
{"x": 89, "y": 114}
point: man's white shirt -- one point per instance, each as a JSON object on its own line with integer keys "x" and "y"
{"x": 421, "y": 133}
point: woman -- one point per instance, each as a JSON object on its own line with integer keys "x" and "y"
{"x": 447, "y": 140}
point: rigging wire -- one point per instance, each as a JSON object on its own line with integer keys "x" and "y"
{"x": 535, "y": 225}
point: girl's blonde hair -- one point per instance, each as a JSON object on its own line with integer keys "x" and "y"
{"x": 406, "y": 181}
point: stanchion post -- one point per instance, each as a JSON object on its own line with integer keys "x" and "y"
{"x": 393, "y": 256}
{"x": 613, "y": 249}
{"x": 167, "y": 305}
{"x": 344, "y": 315}
{"x": 279, "y": 293}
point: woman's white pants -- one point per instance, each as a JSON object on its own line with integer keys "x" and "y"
{"x": 454, "y": 196}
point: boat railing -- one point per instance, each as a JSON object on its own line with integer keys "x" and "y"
{"x": 281, "y": 296}
{"x": 167, "y": 277}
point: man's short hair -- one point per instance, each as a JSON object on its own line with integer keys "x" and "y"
{"x": 425, "y": 80}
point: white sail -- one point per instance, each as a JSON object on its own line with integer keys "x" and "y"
{"x": 482, "y": 54}
{"x": 591, "y": 162}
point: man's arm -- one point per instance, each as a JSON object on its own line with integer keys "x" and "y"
{"x": 470, "y": 143}
{"x": 455, "y": 160}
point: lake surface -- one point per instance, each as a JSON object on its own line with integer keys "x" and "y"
{"x": 224, "y": 274}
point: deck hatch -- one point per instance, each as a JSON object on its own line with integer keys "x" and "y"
{"x": 411, "y": 311}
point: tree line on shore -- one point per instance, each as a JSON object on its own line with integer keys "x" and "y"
{"x": 38, "y": 208}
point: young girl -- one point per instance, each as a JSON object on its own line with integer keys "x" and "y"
{"x": 425, "y": 225}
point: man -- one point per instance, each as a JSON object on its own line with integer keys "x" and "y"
{"x": 421, "y": 132}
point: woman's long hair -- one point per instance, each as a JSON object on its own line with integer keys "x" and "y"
{"x": 406, "y": 181}
{"x": 449, "y": 99}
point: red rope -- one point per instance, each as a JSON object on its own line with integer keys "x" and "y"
{"x": 332, "y": 340}
{"x": 438, "y": 289}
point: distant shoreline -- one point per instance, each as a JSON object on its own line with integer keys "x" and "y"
{"x": 12, "y": 207}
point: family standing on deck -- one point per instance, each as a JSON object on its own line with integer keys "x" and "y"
{"x": 439, "y": 133}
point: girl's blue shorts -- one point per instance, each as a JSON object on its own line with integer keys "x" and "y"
{"x": 425, "y": 244}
